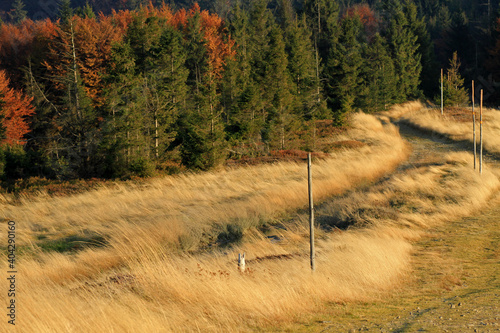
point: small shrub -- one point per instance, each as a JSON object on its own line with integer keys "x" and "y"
{"x": 232, "y": 234}
{"x": 142, "y": 167}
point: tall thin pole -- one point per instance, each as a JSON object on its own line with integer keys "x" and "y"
{"x": 481, "y": 134}
{"x": 474, "y": 126}
{"x": 441, "y": 91}
{"x": 311, "y": 211}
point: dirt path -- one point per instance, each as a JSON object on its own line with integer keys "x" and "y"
{"x": 456, "y": 286}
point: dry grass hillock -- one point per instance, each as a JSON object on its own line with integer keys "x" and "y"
{"x": 430, "y": 119}
{"x": 141, "y": 279}
{"x": 145, "y": 279}
{"x": 179, "y": 210}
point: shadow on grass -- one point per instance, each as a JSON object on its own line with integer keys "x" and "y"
{"x": 73, "y": 243}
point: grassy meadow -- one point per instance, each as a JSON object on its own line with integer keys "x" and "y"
{"x": 160, "y": 256}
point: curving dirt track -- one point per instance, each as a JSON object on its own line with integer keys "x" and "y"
{"x": 456, "y": 271}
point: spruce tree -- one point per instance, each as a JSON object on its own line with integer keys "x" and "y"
{"x": 302, "y": 69}
{"x": 201, "y": 129}
{"x": 407, "y": 60}
{"x": 123, "y": 130}
{"x": 429, "y": 65}
{"x": 454, "y": 92}
{"x": 87, "y": 11}
{"x": 240, "y": 93}
{"x": 65, "y": 11}
{"x": 461, "y": 40}
{"x": 379, "y": 77}
{"x": 18, "y": 12}
{"x": 344, "y": 68}
{"x": 322, "y": 19}
{"x": 281, "y": 119}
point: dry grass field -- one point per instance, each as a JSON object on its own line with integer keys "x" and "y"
{"x": 455, "y": 124}
{"x": 155, "y": 257}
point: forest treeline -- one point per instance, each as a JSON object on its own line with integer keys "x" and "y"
{"x": 124, "y": 92}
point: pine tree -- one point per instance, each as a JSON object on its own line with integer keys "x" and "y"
{"x": 43, "y": 136}
{"x": 425, "y": 48}
{"x": 87, "y": 11}
{"x": 281, "y": 118}
{"x": 18, "y": 13}
{"x": 345, "y": 68}
{"x": 322, "y": 19}
{"x": 379, "y": 76}
{"x": 201, "y": 130}
{"x": 302, "y": 68}
{"x": 460, "y": 39}
{"x": 407, "y": 60}
{"x": 240, "y": 95}
{"x": 167, "y": 90}
{"x": 78, "y": 120}
{"x": 123, "y": 129}
{"x": 65, "y": 11}
{"x": 454, "y": 92}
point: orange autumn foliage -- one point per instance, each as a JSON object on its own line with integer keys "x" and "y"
{"x": 219, "y": 48}
{"x": 18, "y": 42}
{"x": 15, "y": 107}
{"x": 367, "y": 17}
{"x": 93, "y": 38}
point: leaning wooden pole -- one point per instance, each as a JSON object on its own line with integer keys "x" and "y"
{"x": 311, "y": 212}
{"x": 481, "y": 134}
{"x": 474, "y": 126}
{"x": 442, "y": 92}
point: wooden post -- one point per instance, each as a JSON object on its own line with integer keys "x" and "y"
{"x": 474, "y": 126}
{"x": 481, "y": 134}
{"x": 311, "y": 212}
{"x": 441, "y": 91}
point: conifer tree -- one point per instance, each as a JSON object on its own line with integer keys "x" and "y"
{"x": 454, "y": 92}
{"x": 43, "y": 137}
{"x": 239, "y": 92}
{"x": 87, "y": 11}
{"x": 18, "y": 12}
{"x": 322, "y": 18}
{"x": 167, "y": 88}
{"x": 78, "y": 119}
{"x": 407, "y": 60}
{"x": 302, "y": 68}
{"x": 65, "y": 11}
{"x": 279, "y": 87}
{"x": 345, "y": 68}
{"x": 418, "y": 27}
{"x": 379, "y": 77}
{"x": 253, "y": 101}
{"x": 123, "y": 129}
{"x": 201, "y": 130}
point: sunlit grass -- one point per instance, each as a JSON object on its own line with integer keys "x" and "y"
{"x": 154, "y": 274}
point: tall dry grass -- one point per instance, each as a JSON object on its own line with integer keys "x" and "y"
{"x": 417, "y": 115}
{"x": 140, "y": 282}
{"x": 180, "y": 210}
